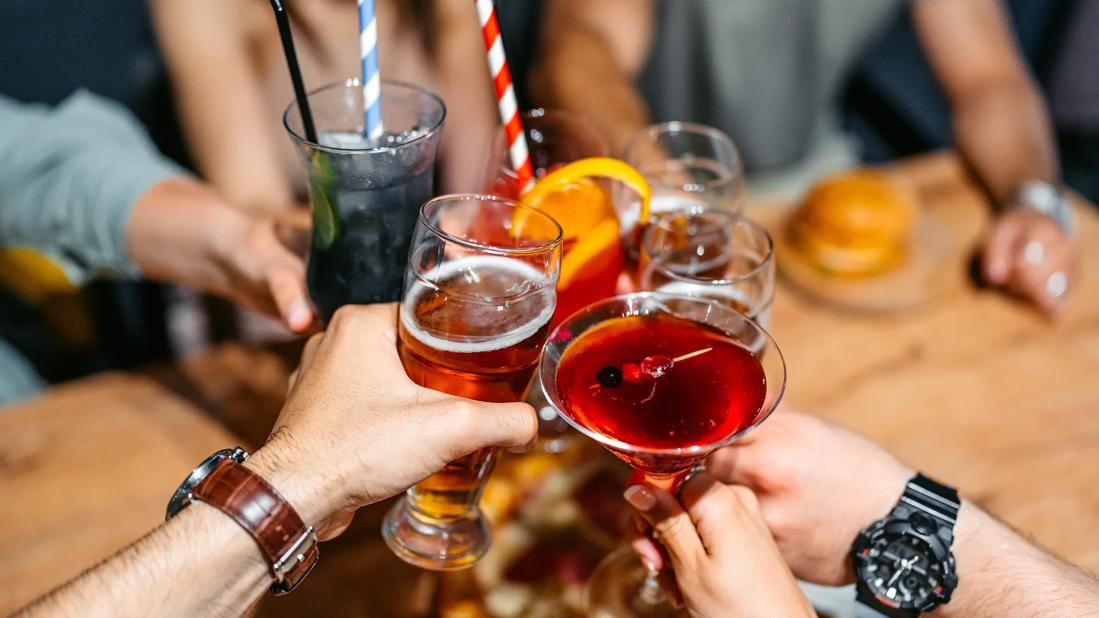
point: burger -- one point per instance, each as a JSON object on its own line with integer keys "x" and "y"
{"x": 855, "y": 224}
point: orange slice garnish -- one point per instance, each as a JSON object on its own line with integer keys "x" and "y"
{"x": 584, "y": 171}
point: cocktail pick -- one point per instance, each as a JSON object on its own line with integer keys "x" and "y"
{"x": 287, "y": 37}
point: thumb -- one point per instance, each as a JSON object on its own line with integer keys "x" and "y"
{"x": 286, "y": 283}
{"x": 670, "y": 522}
{"x": 502, "y": 424}
{"x": 1000, "y": 250}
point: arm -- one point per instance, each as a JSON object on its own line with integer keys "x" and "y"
{"x": 85, "y": 189}
{"x": 1003, "y": 130}
{"x": 591, "y": 52}
{"x": 1000, "y": 120}
{"x": 815, "y": 511}
{"x": 218, "y": 92}
{"x": 355, "y": 430}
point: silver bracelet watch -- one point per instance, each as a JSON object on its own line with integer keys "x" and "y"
{"x": 1048, "y": 199}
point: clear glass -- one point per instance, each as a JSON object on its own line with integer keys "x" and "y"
{"x": 365, "y": 195}
{"x": 621, "y": 585}
{"x": 479, "y": 291}
{"x": 711, "y": 254}
{"x": 687, "y": 164}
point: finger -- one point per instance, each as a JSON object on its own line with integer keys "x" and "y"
{"x": 732, "y": 465}
{"x": 291, "y": 296}
{"x": 646, "y": 549}
{"x": 496, "y": 424}
{"x": 670, "y": 522}
{"x": 1038, "y": 283}
{"x": 1001, "y": 248}
{"x": 713, "y": 506}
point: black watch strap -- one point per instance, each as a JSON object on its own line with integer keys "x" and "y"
{"x": 933, "y": 498}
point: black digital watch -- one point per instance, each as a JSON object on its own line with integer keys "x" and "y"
{"x": 903, "y": 563}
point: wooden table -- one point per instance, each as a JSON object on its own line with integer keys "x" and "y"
{"x": 975, "y": 389}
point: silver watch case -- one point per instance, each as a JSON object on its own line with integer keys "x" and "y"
{"x": 1049, "y": 200}
{"x": 181, "y": 499}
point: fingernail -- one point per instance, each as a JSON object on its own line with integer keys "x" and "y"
{"x": 299, "y": 315}
{"x": 640, "y": 498}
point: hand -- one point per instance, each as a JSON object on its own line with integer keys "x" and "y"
{"x": 184, "y": 232}
{"x": 355, "y": 429}
{"x": 1024, "y": 252}
{"x": 818, "y": 484}
{"x": 268, "y": 269}
{"x": 725, "y": 561}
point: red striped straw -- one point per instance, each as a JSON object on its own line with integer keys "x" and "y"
{"x": 505, "y": 95}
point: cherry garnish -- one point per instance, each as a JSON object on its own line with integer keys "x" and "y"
{"x": 631, "y": 372}
{"x": 656, "y": 366}
{"x": 652, "y": 367}
{"x": 609, "y": 377}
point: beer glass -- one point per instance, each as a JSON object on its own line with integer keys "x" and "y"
{"x": 365, "y": 194}
{"x": 711, "y": 254}
{"x": 479, "y": 292}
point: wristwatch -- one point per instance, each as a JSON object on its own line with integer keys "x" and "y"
{"x": 903, "y": 563}
{"x": 286, "y": 542}
{"x": 1049, "y": 200}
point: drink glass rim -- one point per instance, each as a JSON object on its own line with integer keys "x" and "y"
{"x": 625, "y": 447}
{"x": 353, "y": 82}
{"x": 551, "y": 113}
{"x": 682, "y": 126}
{"x": 732, "y": 217}
{"x": 484, "y": 247}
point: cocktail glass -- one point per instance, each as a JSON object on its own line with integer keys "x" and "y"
{"x": 479, "y": 292}
{"x": 717, "y": 397}
{"x": 365, "y": 195}
{"x": 713, "y": 254}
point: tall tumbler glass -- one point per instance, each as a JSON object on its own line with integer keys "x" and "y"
{"x": 687, "y": 164}
{"x": 365, "y": 194}
{"x": 712, "y": 254}
{"x": 479, "y": 292}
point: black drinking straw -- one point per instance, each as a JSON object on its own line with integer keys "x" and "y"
{"x": 295, "y": 70}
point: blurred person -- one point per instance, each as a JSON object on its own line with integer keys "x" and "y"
{"x": 769, "y": 74}
{"x": 231, "y": 84}
{"x": 354, "y": 430}
{"x": 85, "y": 195}
{"x": 817, "y": 486}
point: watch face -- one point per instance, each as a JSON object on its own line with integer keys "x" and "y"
{"x": 901, "y": 571}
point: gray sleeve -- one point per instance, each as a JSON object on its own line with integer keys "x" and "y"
{"x": 69, "y": 179}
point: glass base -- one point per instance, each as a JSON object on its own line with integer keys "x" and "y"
{"x": 436, "y": 544}
{"x": 620, "y": 587}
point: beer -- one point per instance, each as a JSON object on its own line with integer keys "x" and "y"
{"x": 479, "y": 294}
{"x": 475, "y": 337}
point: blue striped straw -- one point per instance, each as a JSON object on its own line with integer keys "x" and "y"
{"x": 372, "y": 85}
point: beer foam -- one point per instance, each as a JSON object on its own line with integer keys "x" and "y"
{"x": 533, "y": 290}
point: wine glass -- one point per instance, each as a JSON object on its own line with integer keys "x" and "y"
{"x": 661, "y": 381}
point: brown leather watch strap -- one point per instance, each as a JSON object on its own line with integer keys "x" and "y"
{"x": 288, "y": 544}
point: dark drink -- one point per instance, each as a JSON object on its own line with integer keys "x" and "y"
{"x": 359, "y": 259}
{"x": 445, "y": 345}
{"x": 365, "y": 195}
{"x": 660, "y": 382}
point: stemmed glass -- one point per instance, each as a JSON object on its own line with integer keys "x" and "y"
{"x": 479, "y": 292}
{"x": 661, "y": 381}
{"x": 712, "y": 254}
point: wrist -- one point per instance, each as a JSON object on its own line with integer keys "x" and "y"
{"x": 875, "y": 500}
{"x": 304, "y": 486}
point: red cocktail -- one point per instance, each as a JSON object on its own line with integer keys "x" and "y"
{"x": 661, "y": 381}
